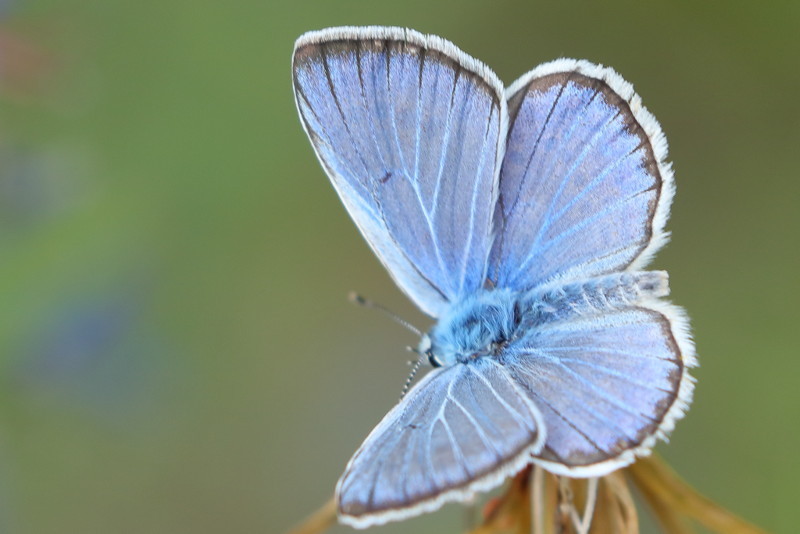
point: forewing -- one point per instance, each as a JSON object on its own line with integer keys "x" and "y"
{"x": 584, "y": 187}
{"x": 607, "y": 385}
{"x": 461, "y": 429}
{"x": 410, "y": 131}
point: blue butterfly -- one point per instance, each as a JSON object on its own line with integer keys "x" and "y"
{"x": 519, "y": 219}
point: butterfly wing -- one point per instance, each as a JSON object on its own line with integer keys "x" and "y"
{"x": 609, "y": 372}
{"x": 460, "y": 430}
{"x": 410, "y": 131}
{"x": 584, "y": 187}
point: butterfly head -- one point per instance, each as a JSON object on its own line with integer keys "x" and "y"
{"x": 475, "y": 327}
{"x": 425, "y": 349}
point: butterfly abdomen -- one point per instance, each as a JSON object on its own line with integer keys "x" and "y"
{"x": 593, "y": 296}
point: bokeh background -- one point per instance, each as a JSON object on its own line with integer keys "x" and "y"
{"x": 176, "y": 350}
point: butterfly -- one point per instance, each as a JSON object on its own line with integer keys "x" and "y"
{"x": 520, "y": 219}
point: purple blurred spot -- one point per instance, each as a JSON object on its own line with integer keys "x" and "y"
{"x": 93, "y": 351}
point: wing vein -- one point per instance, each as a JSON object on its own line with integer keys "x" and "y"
{"x": 474, "y": 200}
{"x": 489, "y": 444}
{"x": 393, "y": 117}
{"x": 378, "y": 150}
{"x": 326, "y": 69}
{"x": 457, "y": 452}
{"x": 573, "y": 167}
{"x": 404, "y": 485}
{"x": 445, "y": 141}
{"x": 602, "y": 393}
{"x": 606, "y": 350}
{"x": 518, "y": 417}
{"x": 419, "y": 113}
{"x": 610, "y": 167}
{"x": 536, "y": 143}
{"x": 584, "y": 223}
{"x": 611, "y": 372}
{"x": 558, "y": 412}
{"x": 546, "y": 222}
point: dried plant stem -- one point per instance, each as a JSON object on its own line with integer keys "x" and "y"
{"x": 668, "y": 517}
{"x": 583, "y": 521}
{"x": 511, "y": 512}
{"x": 616, "y": 506}
{"x": 670, "y": 497}
{"x": 319, "y": 521}
{"x": 537, "y": 500}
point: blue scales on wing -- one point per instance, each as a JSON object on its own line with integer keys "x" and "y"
{"x": 461, "y": 429}
{"x": 584, "y": 190}
{"x": 409, "y": 130}
{"x": 606, "y": 362}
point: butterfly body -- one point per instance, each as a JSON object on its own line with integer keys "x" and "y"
{"x": 479, "y": 326}
{"x": 520, "y": 219}
{"x": 488, "y": 323}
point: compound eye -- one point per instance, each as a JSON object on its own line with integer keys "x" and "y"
{"x": 434, "y": 360}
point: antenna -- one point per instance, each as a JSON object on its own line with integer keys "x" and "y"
{"x": 414, "y": 368}
{"x": 355, "y": 298}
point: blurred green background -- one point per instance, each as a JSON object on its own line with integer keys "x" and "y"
{"x": 177, "y": 351}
